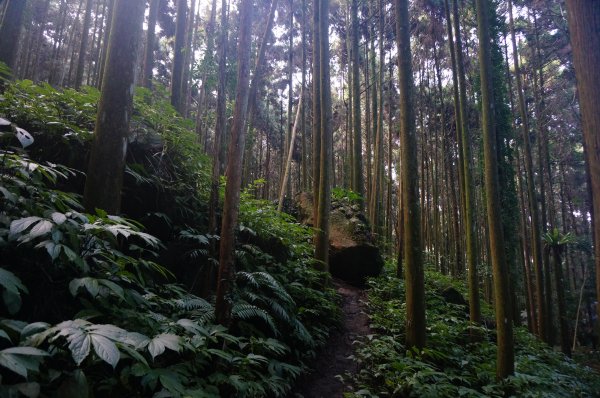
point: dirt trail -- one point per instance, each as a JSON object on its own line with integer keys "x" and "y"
{"x": 333, "y": 359}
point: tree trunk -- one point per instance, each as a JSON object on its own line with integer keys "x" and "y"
{"x": 84, "y": 43}
{"x": 470, "y": 210}
{"x": 220, "y": 129}
{"x": 413, "y": 263}
{"x": 107, "y": 159}
{"x": 234, "y": 167}
{"x": 10, "y": 31}
{"x": 103, "y": 57}
{"x": 150, "y": 44}
{"x": 357, "y": 166}
{"x": 324, "y": 192}
{"x": 316, "y": 113}
{"x": 584, "y": 26}
{"x": 565, "y": 334}
{"x": 536, "y": 243}
{"x": 190, "y": 33}
{"x": 208, "y": 59}
{"x": 284, "y": 181}
{"x": 177, "y": 84}
{"x": 505, "y": 353}
{"x": 256, "y": 81}
{"x": 304, "y": 160}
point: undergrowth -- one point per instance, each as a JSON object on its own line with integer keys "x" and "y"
{"x": 451, "y": 365}
{"x": 96, "y": 304}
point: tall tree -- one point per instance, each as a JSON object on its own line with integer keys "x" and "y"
{"x": 10, "y": 31}
{"x": 413, "y": 257}
{"x": 584, "y": 26}
{"x": 234, "y": 166}
{"x": 84, "y": 43}
{"x": 220, "y": 130}
{"x": 536, "y": 231}
{"x": 107, "y": 159}
{"x": 505, "y": 352}
{"x": 150, "y": 44}
{"x": 316, "y": 111}
{"x": 177, "y": 84}
{"x": 207, "y": 64}
{"x": 326, "y": 137}
{"x": 357, "y": 166}
{"x": 470, "y": 215}
{"x": 105, "y": 41}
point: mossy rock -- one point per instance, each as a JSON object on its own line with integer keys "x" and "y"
{"x": 353, "y": 255}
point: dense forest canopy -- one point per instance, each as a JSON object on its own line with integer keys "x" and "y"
{"x": 181, "y": 179}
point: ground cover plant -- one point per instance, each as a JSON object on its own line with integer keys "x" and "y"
{"x": 459, "y": 360}
{"x": 92, "y": 304}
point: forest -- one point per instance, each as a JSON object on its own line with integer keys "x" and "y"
{"x": 299, "y": 198}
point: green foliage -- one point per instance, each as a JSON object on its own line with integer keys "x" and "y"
{"x": 452, "y": 365}
{"x": 341, "y": 194}
{"x": 89, "y": 305}
{"x": 260, "y": 217}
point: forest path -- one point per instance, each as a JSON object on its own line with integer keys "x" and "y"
{"x": 333, "y": 359}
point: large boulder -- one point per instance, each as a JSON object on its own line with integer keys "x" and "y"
{"x": 353, "y": 255}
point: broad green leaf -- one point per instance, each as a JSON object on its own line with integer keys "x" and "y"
{"x": 58, "y": 218}
{"x": 25, "y": 351}
{"x": 51, "y": 247}
{"x": 41, "y": 228}
{"x": 12, "y": 362}
{"x": 159, "y": 343}
{"x": 9, "y": 195}
{"x": 20, "y": 225}
{"x": 171, "y": 382}
{"x": 34, "y": 328}
{"x": 110, "y": 331}
{"x": 11, "y": 282}
{"x": 106, "y": 349}
{"x": 137, "y": 340}
{"x": 116, "y": 289}
{"x": 21, "y": 359}
{"x": 90, "y": 284}
{"x": 79, "y": 344}
{"x": 128, "y": 350}
{"x": 11, "y": 294}
{"x": 4, "y": 335}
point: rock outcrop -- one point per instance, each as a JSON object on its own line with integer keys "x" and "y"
{"x": 353, "y": 256}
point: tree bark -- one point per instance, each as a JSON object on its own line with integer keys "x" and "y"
{"x": 220, "y": 129}
{"x": 103, "y": 57}
{"x": 357, "y": 166}
{"x": 413, "y": 262}
{"x": 324, "y": 192}
{"x": 177, "y": 84}
{"x": 107, "y": 159}
{"x": 10, "y": 31}
{"x": 505, "y": 353}
{"x": 150, "y": 44}
{"x": 536, "y": 243}
{"x": 234, "y": 167}
{"x": 84, "y": 43}
{"x": 469, "y": 205}
{"x": 584, "y": 26}
{"x": 565, "y": 334}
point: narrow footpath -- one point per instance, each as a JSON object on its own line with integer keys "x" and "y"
{"x": 324, "y": 381}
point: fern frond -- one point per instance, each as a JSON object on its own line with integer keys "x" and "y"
{"x": 274, "y": 285}
{"x": 279, "y": 311}
{"x": 250, "y": 278}
{"x": 245, "y": 311}
{"x": 302, "y": 332}
{"x": 191, "y": 303}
